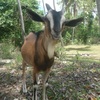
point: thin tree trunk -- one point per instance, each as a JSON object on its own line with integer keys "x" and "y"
{"x": 74, "y": 15}
{"x": 73, "y": 34}
{"x": 43, "y": 6}
{"x": 54, "y": 4}
{"x": 21, "y": 19}
{"x": 98, "y": 8}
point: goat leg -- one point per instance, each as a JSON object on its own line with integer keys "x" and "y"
{"x": 44, "y": 91}
{"x": 24, "y": 78}
{"x": 44, "y": 83}
{"x": 35, "y": 86}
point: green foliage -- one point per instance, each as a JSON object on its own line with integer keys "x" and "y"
{"x": 6, "y": 15}
{"x": 67, "y": 38}
{"x": 10, "y": 22}
{"x": 88, "y": 31}
{"x": 85, "y": 33}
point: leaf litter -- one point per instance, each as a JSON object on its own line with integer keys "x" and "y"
{"x": 72, "y": 81}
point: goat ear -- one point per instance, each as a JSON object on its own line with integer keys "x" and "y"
{"x": 74, "y": 22}
{"x": 34, "y": 15}
{"x": 48, "y": 7}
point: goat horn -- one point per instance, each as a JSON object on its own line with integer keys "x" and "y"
{"x": 48, "y": 7}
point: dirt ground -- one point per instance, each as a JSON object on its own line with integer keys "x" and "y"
{"x": 74, "y": 81}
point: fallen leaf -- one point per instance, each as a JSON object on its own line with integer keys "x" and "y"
{"x": 92, "y": 98}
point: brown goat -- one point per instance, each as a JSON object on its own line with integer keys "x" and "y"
{"x": 38, "y": 48}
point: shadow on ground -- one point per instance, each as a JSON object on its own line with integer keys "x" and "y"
{"x": 64, "y": 84}
{"x": 87, "y": 48}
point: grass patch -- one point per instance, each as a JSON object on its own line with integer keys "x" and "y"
{"x": 18, "y": 58}
{"x": 84, "y": 51}
{"x": 6, "y": 50}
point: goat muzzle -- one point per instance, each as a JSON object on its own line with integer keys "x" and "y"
{"x": 56, "y": 37}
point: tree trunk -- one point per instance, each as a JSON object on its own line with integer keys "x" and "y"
{"x": 43, "y": 6}
{"x": 98, "y": 8}
{"x": 54, "y": 4}
{"x": 74, "y": 15}
{"x": 21, "y": 18}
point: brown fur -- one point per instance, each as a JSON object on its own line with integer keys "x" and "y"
{"x": 34, "y": 51}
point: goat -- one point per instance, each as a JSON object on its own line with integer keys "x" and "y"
{"x": 38, "y": 49}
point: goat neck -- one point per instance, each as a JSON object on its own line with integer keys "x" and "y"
{"x": 49, "y": 44}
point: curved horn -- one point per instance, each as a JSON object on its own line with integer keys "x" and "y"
{"x": 48, "y": 7}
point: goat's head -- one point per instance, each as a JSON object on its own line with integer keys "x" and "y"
{"x": 54, "y": 21}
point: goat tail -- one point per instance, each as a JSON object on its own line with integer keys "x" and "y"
{"x": 21, "y": 19}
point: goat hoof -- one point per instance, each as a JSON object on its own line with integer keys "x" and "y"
{"x": 24, "y": 90}
{"x": 37, "y": 98}
{"x": 35, "y": 86}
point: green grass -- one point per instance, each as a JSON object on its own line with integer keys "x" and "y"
{"x": 6, "y": 50}
{"x": 85, "y": 51}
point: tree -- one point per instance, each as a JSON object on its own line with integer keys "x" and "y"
{"x": 21, "y": 18}
{"x": 98, "y": 8}
{"x": 54, "y": 4}
{"x": 10, "y": 26}
{"x": 87, "y": 30}
{"x": 43, "y": 6}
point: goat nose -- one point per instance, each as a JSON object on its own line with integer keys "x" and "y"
{"x": 56, "y": 31}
